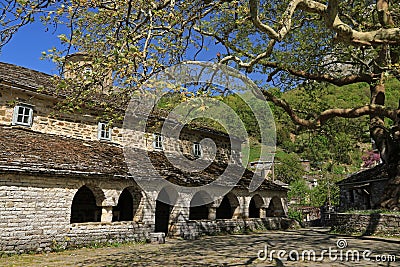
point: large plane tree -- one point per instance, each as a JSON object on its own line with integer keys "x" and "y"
{"x": 286, "y": 42}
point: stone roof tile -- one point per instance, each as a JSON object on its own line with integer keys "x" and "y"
{"x": 23, "y": 150}
{"x": 379, "y": 172}
{"x": 28, "y": 79}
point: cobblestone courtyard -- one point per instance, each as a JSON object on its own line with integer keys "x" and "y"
{"x": 229, "y": 250}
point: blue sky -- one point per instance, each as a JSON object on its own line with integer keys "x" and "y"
{"x": 26, "y": 46}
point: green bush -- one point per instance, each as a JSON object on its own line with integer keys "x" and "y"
{"x": 295, "y": 215}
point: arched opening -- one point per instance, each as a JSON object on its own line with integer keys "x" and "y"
{"x": 256, "y": 203}
{"x": 124, "y": 209}
{"x": 84, "y": 208}
{"x": 128, "y": 204}
{"x": 275, "y": 208}
{"x": 164, "y": 205}
{"x": 227, "y": 208}
{"x": 197, "y": 211}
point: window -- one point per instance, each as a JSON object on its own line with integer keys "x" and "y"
{"x": 197, "y": 150}
{"x": 157, "y": 141}
{"x": 23, "y": 115}
{"x": 104, "y": 131}
{"x": 87, "y": 70}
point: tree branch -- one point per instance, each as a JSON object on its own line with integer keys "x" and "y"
{"x": 345, "y": 33}
{"x": 306, "y": 5}
{"x": 330, "y": 113}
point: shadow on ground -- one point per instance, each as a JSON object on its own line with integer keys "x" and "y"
{"x": 229, "y": 250}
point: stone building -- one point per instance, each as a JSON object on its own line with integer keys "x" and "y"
{"x": 64, "y": 179}
{"x": 364, "y": 190}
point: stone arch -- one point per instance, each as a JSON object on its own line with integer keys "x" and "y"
{"x": 128, "y": 204}
{"x": 164, "y": 205}
{"x": 256, "y": 203}
{"x": 228, "y": 207}
{"x": 199, "y": 212}
{"x": 85, "y": 205}
{"x": 98, "y": 193}
{"x": 275, "y": 208}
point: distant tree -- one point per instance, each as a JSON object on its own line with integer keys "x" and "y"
{"x": 299, "y": 192}
{"x": 326, "y": 192}
{"x": 288, "y": 168}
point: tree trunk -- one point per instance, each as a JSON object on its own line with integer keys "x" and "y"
{"x": 387, "y": 142}
{"x": 378, "y": 131}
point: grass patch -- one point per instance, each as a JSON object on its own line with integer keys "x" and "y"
{"x": 58, "y": 247}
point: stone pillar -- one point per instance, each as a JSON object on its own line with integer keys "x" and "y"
{"x": 263, "y": 211}
{"x": 245, "y": 203}
{"x": 106, "y": 214}
{"x": 242, "y": 210}
{"x": 212, "y": 213}
{"x": 284, "y": 206}
{"x": 149, "y": 208}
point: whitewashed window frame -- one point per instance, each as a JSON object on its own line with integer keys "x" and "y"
{"x": 20, "y": 117}
{"x": 158, "y": 141}
{"x": 197, "y": 151}
{"x": 104, "y": 131}
{"x": 87, "y": 70}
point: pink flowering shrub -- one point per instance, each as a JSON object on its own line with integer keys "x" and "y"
{"x": 370, "y": 159}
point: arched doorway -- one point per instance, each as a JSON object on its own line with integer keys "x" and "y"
{"x": 164, "y": 205}
{"x": 256, "y": 203}
{"x": 199, "y": 212}
{"x": 124, "y": 209}
{"x": 275, "y": 208}
{"x": 228, "y": 206}
{"x": 128, "y": 204}
{"x": 84, "y": 208}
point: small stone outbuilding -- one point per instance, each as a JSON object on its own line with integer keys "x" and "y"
{"x": 364, "y": 190}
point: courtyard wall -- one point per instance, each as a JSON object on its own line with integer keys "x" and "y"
{"x": 365, "y": 224}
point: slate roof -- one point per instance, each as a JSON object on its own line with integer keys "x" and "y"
{"x": 377, "y": 173}
{"x": 25, "y": 151}
{"x": 21, "y": 149}
{"x": 26, "y": 78}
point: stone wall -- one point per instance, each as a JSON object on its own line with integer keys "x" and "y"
{"x": 85, "y": 126}
{"x": 365, "y": 197}
{"x": 35, "y": 213}
{"x": 194, "y": 229}
{"x": 89, "y": 233}
{"x": 366, "y": 224}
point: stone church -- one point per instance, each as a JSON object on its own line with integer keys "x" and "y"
{"x": 64, "y": 180}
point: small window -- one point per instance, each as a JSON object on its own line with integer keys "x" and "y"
{"x": 104, "y": 131}
{"x": 197, "y": 150}
{"x": 23, "y": 115}
{"x": 87, "y": 70}
{"x": 157, "y": 141}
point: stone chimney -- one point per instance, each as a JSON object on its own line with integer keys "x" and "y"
{"x": 80, "y": 66}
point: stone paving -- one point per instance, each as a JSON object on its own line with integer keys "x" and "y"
{"x": 229, "y": 250}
